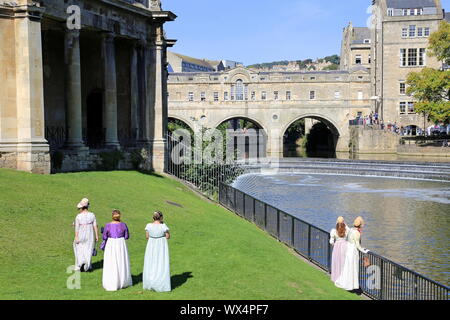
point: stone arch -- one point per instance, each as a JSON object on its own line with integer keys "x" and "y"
{"x": 187, "y": 122}
{"x": 258, "y": 122}
{"x": 334, "y": 127}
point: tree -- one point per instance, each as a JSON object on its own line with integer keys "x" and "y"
{"x": 440, "y": 43}
{"x": 431, "y": 87}
{"x": 332, "y": 67}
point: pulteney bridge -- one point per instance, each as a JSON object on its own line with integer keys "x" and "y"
{"x": 273, "y": 101}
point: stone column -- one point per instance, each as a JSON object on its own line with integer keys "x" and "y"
{"x": 73, "y": 88}
{"x": 159, "y": 109}
{"x": 110, "y": 99}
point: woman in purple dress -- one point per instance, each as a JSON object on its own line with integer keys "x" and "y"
{"x": 116, "y": 262}
{"x": 338, "y": 238}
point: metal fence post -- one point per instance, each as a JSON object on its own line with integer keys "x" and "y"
{"x": 293, "y": 232}
{"x": 234, "y": 205}
{"x": 382, "y": 280}
{"x": 278, "y": 224}
{"x": 309, "y": 241}
{"x": 254, "y": 209}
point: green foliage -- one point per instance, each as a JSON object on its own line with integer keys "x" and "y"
{"x": 440, "y": 43}
{"x": 332, "y": 67}
{"x": 110, "y": 160}
{"x": 268, "y": 64}
{"x": 431, "y": 88}
{"x": 214, "y": 254}
{"x": 136, "y": 159}
{"x": 334, "y": 59}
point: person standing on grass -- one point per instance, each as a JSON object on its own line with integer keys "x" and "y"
{"x": 156, "y": 275}
{"x": 349, "y": 278}
{"x": 116, "y": 262}
{"x": 86, "y": 235}
{"x": 338, "y": 238}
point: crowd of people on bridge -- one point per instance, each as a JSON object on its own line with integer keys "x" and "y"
{"x": 345, "y": 257}
{"x": 116, "y": 260}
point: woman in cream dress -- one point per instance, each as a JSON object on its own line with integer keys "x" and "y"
{"x": 349, "y": 278}
{"x": 156, "y": 275}
{"x": 86, "y": 235}
{"x": 338, "y": 238}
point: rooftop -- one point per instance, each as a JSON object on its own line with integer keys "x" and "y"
{"x": 410, "y": 4}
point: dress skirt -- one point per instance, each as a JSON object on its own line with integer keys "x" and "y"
{"x": 349, "y": 278}
{"x": 338, "y": 258}
{"x": 83, "y": 250}
{"x": 116, "y": 265}
{"x": 156, "y": 275}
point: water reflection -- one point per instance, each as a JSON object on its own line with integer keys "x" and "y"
{"x": 407, "y": 221}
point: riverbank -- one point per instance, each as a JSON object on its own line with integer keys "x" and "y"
{"x": 214, "y": 253}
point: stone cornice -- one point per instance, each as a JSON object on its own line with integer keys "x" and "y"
{"x": 32, "y": 12}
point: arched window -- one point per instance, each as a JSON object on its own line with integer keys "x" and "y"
{"x": 239, "y": 90}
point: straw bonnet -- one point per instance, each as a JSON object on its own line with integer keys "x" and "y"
{"x": 83, "y": 203}
{"x": 358, "y": 222}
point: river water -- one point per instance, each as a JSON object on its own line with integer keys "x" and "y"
{"x": 407, "y": 220}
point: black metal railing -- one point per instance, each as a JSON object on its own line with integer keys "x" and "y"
{"x": 381, "y": 279}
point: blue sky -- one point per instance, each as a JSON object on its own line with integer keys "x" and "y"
{"x": 253, "y": 31}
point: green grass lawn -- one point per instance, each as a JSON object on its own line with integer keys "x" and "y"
{"x": 214, "y": 253}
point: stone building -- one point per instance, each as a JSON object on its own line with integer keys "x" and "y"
{"x": 82, "y": 77}
{"x": 356, "y": 47}
{"x": 399, "y": 36}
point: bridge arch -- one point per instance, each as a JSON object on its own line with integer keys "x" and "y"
{"x": 322, "y": 137}
{"x": 185, "y": 121}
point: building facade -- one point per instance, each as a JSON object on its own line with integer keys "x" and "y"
{"x": 271, "y": 100}
{"x": 79, "y": 78}
{"x": 399, "y": 46}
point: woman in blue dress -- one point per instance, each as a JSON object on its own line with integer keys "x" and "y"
{"x": 156, "y": 275}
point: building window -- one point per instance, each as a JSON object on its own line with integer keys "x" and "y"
{"x": 370, "y": 59}
{"x": 216, "y": 96}
{"x": 360, "y": 95}
{"x": 404, "y": 32}
{"x": 191, "y": 96}
{"x": 203, "y": 96}
{"x": 225, "y": 96}
{"x": 405, "y": 12}
{"x": 411, "y": 107}
{"x": 253, "y": 95}
{"x": 366, "y": 40}
{"x": 312, "y": 95}
{"x": 263, "y": 95}
{"x": 312, "y": 78}
{"x": 402, "y": 107}
{"x": 402, "y": 88}
{"x": 412, "y": 31}
{"x": 239, "y": 91}
{"x": 426, "y": 32}
{"x": 337, "y": 95}
{"x": 421, "y": 56}
{"x": 403, "y": 57}
{"x": 412, "y": 57}
{"x": 358, "y": 59}
{"x": 411, "y": 12}
{"x": 275, "y": 95}
{"x": 288, "y": 95}
{"x": 420, "y": 32}
{"x": 390, "y": 12}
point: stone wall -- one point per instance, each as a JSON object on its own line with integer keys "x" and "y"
{"x": 369, "y": 140}
{"x": 101, "y": 160}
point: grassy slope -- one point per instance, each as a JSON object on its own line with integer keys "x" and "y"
{"x": 226, "y": 256}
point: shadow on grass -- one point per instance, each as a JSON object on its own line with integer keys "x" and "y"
{"x": 97, "y": 265}
{"x": 137, "y": 279}
{"x": 180, "y": 279}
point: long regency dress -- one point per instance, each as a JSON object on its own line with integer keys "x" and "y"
{"x": 156, "y": 275}
{"x": 339, "y": 252}
{"x": 84, "y": 224}
{"x": 116, "y": 261}
{"x": 349, "y": 278}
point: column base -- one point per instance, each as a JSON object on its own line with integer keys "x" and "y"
{"x": 159, "y": 160}
{"x": 31, "y": 157}
{"x": 112, "y": 145}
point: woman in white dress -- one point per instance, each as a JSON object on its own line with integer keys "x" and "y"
{"x": 349, "y": 278}
{"x": 86, "y": 235}
{"x": 338, "y": 238}
{"x": 116, "y": 262}
{"x": 156, "y": 275}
